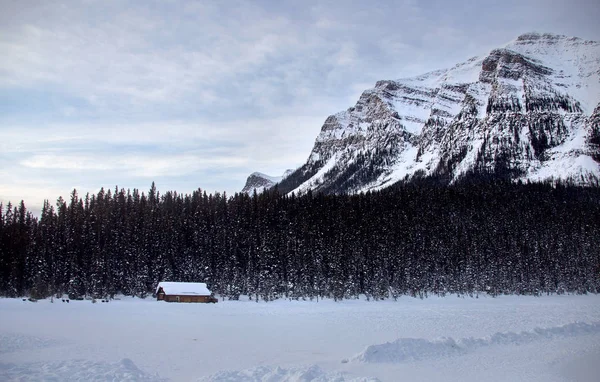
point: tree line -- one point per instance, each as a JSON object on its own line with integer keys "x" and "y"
{"x": 413, "y": 239}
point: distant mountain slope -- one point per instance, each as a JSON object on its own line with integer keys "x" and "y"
{"x": 262, "y": 182}
{"x": 528, "y": 110}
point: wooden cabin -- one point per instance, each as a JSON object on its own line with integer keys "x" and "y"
{"x": 183, "y": 292}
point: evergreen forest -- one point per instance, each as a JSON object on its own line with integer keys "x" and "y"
{"x": 414, "y": 239}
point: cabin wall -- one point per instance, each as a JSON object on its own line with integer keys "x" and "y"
{"x": 176, "y": 298}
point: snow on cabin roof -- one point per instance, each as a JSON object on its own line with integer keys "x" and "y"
{"x": 183, "y": 289}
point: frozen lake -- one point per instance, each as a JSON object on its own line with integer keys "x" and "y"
{"x": 507, "y": 338}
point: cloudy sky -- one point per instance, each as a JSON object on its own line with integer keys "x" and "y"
{"x": 199, "y": 94}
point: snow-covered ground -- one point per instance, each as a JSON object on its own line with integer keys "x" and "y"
{"x": 508, "y": 338}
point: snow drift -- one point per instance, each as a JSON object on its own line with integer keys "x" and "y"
{"x": 278, "y": 374}
{"x": 419, "y": 348}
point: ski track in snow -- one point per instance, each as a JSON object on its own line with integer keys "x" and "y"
{"x": 278, "y": 374}
{"x": 404, "y": 349}
{"x": 75, "y": 370}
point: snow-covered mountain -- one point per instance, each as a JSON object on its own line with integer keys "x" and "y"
{"x": 528, "y": 110}
{"x": 261, "y": 182}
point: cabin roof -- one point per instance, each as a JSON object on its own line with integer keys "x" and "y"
{"x": 183, "y": 289}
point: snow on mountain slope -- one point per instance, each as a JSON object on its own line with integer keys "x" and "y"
{"x": 575, "y": 64}
{"x": 528, "y": 110}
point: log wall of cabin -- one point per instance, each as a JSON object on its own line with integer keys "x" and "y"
{"x": 173, "y": 298}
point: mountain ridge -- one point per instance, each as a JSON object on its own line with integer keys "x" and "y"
{"x": 528, "y": 110}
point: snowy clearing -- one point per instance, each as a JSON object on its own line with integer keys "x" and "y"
{"x": 508, "y": 338}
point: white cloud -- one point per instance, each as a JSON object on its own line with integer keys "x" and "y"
{"x": 346, "y": 55}
{"x": 147, "y": 165}
{"x": 122, "y": 56}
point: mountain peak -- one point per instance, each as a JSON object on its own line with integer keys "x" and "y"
{"x": 536, "y": 38}
{"x": 261, "y": 182}
{"x": 524, "y": 111}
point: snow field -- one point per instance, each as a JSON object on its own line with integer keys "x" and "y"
{"x": 76, "y": 370}
{"x": 508, "y": 338}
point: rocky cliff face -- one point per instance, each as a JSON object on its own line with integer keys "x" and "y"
{"x": 529, "y": 110}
